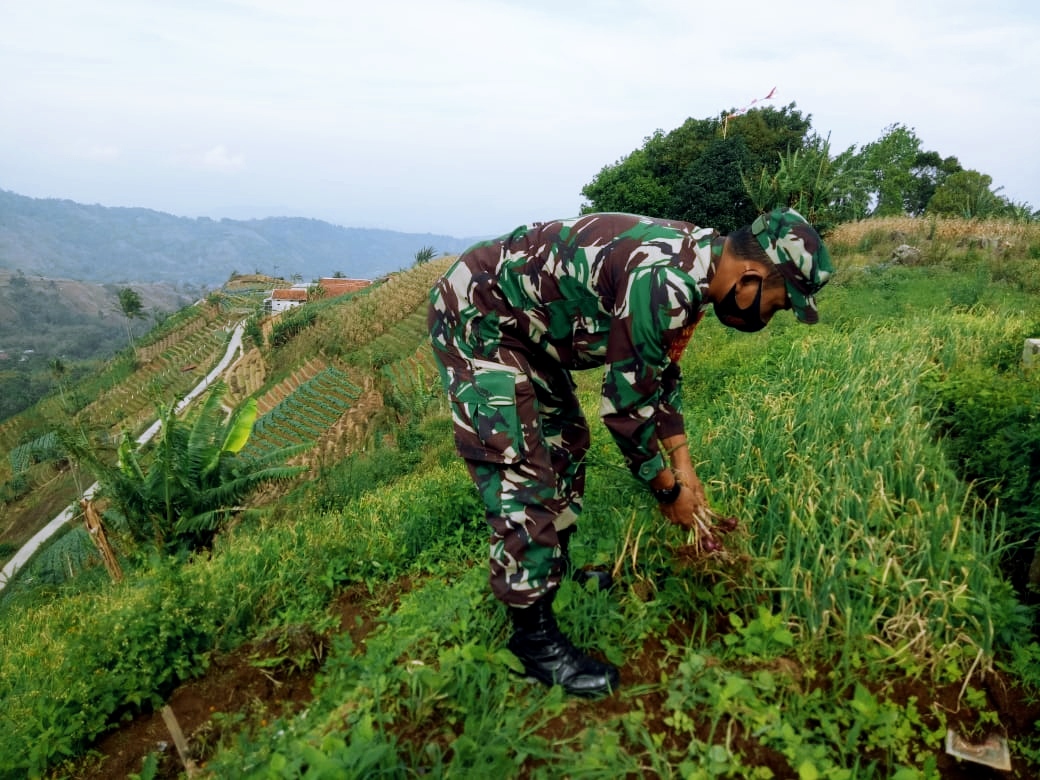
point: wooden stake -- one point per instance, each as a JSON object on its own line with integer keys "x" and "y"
{"x": 178, "y": 740}
{"x": 96, "y": 529}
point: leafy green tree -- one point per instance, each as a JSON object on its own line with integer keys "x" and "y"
{"x": 15, "y": 392}
{"x": 711, "y": 191}
{"x": 668, "y": 155}
{"x": 929, "y": 172}
{"x": 672, "y": 174}
{"x": 253, "y": 331}
{"x": 769, "y": 132}
{"x": 182, "y": 490}
{"x": 967, "y": 194}
{"x": 628, "y": 186}
{"x": 59, "y": 371}
{"x": 887, "y": 165}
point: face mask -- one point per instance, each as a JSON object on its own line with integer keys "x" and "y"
{"x": 731, "y": 315}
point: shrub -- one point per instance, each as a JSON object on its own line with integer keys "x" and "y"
{"x": 991, "y": 421}
{"x": 291, "y": 324}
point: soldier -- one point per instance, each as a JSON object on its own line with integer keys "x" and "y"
{"x": 514, "y": 315}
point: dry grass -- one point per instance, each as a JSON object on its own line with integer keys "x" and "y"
{"x": 1003, "y": 250}
{"x": 989, "y": 233}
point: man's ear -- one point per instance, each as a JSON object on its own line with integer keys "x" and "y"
{"x": 752, "y": 275}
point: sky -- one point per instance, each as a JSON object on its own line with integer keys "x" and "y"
{"x": 470, "y": 117}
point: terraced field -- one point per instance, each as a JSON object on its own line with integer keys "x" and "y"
{"x": 302, "y": 409}
{"x": 35, "y": 479}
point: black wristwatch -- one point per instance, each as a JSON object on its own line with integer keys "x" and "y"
{"x": 667, "y": 495}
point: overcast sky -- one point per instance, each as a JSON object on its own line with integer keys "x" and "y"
{"x": 469, "y": 117}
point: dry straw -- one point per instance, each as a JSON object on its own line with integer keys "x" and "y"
{"x": 990, "y": 233}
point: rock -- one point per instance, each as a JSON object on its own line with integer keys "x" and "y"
{"x": 904, "y": 254}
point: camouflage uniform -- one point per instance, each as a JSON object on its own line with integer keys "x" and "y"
{"x": 510, "y": 320}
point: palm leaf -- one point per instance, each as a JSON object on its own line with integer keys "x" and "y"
{"x": 128, "y": 459}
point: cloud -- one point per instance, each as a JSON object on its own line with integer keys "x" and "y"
{"x": 216, "y": 158}
{"x": 219, "y": 159}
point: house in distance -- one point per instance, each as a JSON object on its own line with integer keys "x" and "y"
{"x": 284, "y": 298}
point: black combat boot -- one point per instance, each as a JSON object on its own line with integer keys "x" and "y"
{"x": 549, "y": 657}
{"x": 602, "y": 579}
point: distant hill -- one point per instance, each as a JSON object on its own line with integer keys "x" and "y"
{"x": 63, "y": 239}
{"x": 42, "y": 320}
{"x": 74, "y": 320}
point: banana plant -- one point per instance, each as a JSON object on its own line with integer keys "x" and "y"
{"x": 181, "y": 490}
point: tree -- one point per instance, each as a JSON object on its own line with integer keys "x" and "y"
{"x": 711, "y": 192}
{"x": 660, "y": 179}
{"x": 929, "y": 172}
{"x": 182, "y": 491}
{"x": 253, "y": 331}
{"x": 967, "y": 194}
{"x": 886, "y": 164}
{"x": 130, "y": 304}
{"x": 770, "y": 132}
{"x": 58, "y": 372}
{"x": 628, "y": 186}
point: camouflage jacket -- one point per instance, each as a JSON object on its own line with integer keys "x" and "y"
{"x": 613, "y": 290}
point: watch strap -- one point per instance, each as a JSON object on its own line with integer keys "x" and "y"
{"x": 667, "y": 495}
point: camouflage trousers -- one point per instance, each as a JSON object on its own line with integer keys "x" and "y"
{"x": 520, "y": 429}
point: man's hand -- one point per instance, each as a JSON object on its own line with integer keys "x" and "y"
{"x": 684, "y": 510}
{"x": 692, "y": 502}
{"x": 690, "y": 509}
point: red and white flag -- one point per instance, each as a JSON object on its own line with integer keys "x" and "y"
{"x": 745, "y": 109}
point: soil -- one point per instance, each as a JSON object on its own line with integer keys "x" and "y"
{"x": 54, "y": 488}
{"x": 234, "y": 683}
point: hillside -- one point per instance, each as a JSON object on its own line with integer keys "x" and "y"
{"x": 63, "y": 239}
{"x": 340, "y": 625}
{"x": 76, "y": 320}
{"x": 358, "y": 355}
{"x": 77, "y": 324}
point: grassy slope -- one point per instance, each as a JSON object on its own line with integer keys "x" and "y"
{"x": 853, "y": 622}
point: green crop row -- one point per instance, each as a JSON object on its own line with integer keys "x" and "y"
{"x": 306, "y": 414}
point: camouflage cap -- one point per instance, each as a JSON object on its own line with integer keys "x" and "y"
{"x": 799, "y": 254}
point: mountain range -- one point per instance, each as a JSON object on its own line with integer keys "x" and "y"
{"x": 62, "y": 239}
